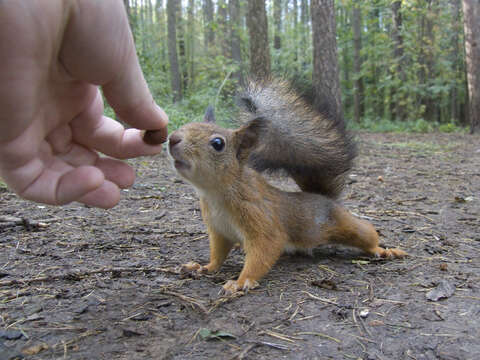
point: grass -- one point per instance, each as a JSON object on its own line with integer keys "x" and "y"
{"x": 418, "y": 126}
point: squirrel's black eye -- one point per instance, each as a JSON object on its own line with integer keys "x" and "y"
{"x": 217, "y": 143}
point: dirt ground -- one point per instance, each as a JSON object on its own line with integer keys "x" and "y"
{"x": 83, "y": 283}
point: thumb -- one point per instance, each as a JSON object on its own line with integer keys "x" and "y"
{"x": 129, "y": 96}
{"x": 99, "y": 49}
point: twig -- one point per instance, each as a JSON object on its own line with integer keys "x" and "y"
{"x": 241, "y": 355}
{"x": 280, "y": 336}
{"x": 221, "y": 87}
{"x": 319, "y": 334}
{"x": 320, "y": 299}
{"x": 189, "y": 299}
{"x": 273, "y": 345}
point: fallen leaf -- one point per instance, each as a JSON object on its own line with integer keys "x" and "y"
{"x": 443, "y": 290}
{"x": 325, "y": 284}
{"x": 35, "y": 349}
{"x": 207, "y": 334}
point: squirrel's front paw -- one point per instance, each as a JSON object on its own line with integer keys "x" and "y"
{"x": 232, "y": 286}
{"x": 193, "y": 266}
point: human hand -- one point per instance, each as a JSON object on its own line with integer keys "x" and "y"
{"x": 54, "y": 55}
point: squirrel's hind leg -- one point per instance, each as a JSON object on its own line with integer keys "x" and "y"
{"x": 351, "y": 231}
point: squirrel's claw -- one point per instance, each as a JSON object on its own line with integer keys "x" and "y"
{"x": 193, "y": 266}
{"x": 232, "y": 286}
{"x": 380, "y": 252}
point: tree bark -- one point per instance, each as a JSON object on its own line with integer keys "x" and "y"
{"x": 163, "y": 38}
{"x": 172, "y": 50}
{"x": 397, "y": 102}
{"x": 325, "y": 63}
{"x": 359, "y": 93}
{"x": 182, "y": 46}
{"x": 304, "y": 30}
{"x": 295, "y": 30}
{"x": 235, "y": 25}
{"x": 455, "y": 6}
{"x": 427, "y": 62}
{"x": 208, "y": 21}
{"x": 277, "y": 20}
{"x": 190, "y": 41}
{"x": 471, "y": 16}
{"x": 222, "y": 26}
{"x": 258, "y": 32}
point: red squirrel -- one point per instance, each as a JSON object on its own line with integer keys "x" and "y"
{"x": 281, "y": 131}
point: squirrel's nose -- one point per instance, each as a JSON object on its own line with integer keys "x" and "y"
{"x": 174, "y": 139}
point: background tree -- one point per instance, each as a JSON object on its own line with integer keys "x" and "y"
{"x": 208, "y": 11}
{"x": 398, "y": 70}
{"x": 401, "y": 64}
{"x": 222, "y": 26}
{"x": 258, "y": 33}
{"x": 235, "y": 40}
{"x": 325, "y": 64}
{"x": 172, "y": 50}
{"x": 277, "y": 20}
{"x": 358, "y": 95}
{"x": 471, "y": 11}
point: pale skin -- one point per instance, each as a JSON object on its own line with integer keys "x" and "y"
{"x": 54, "y": 56}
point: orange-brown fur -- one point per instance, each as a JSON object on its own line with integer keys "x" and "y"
{"x": 238, "y": 205}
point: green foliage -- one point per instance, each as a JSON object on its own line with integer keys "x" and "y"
{"x": 417, "y": 126}
{"x": 419, "y": 92}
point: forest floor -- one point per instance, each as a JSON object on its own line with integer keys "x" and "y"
{"x": 83, "y": 283}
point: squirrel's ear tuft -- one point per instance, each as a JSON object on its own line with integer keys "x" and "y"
{"x": 246, "y": 138}
{"x": 209, "y": 116}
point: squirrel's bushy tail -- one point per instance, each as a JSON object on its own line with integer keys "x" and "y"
{"x": 311, "y": 146}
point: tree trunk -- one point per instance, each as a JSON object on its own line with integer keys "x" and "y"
{"x": 150, "y": 13}
{"x": 172, "y": 50}
{"x": 325, "y": 63}
{"x": 162, "y": 34}
{"x": 427, "y": 59}
{"x": 295, "y": 30}
{"x": 258, "y": 32}
{"x": 277, "y": 20}
{"x": 304, "y": 30}
{"x": 208, "y": 21}
{"x": 235, "y": 25}
{"x": 359, "y": 93}
{"x": 471, "y": 16}
{"x": 181, "y": 46}
{"x": 222, "y": 26}
{"x": 190, "y": 41}
{"x": 397, "y": 102}
{"x": 457, "y": 27}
